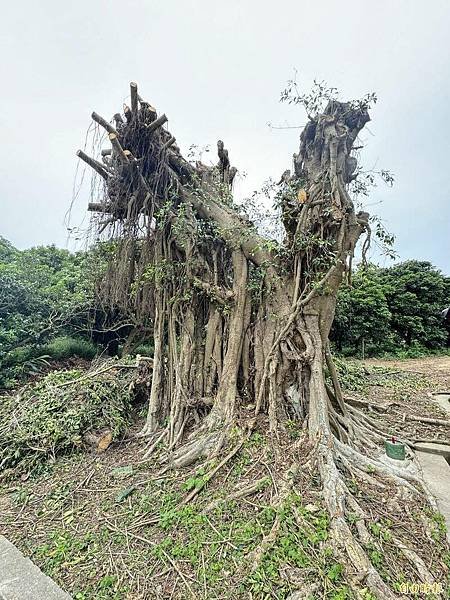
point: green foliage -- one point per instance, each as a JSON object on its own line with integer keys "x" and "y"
{"x": 145, "y": 349}
{"x": 362, "y": 312}
{"x": 416, "y": 293}
{"x": 65, "y": 347}
{"x": 45, "y": 292}
{"x": 51, "y": 416}
{"x": 395, "y": 310}
{"x": 352, "y": 375}
{"x": 357, "y": 376}
{"x": 438, "y": 525}
{"x": 302, "y": 544}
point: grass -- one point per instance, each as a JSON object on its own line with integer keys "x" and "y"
{"x": 209, "y": 549}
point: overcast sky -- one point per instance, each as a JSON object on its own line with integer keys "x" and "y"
{"x": 217, "y": 70}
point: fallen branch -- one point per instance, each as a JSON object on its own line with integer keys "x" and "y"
{"x": 430, "y": 441}
{"x": 359, "y": 403}
{"x": 95, "y": 373}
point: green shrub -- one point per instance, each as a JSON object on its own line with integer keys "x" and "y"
{"x": 45, "y": 292}
{"x": 145, "y": 349}
{"x": 394, "y": 310}
{"x": 66, "y": 347}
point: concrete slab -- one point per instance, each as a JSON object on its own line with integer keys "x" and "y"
{"x": 443, "y": 400}
{"x": 441, "y": 449}
{"x": 436, "y": 474}
{"x": 20, "y": 579}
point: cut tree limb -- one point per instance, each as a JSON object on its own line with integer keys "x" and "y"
{"x": 169, "y": 142}
{"x": 123, "y": 157}
{"x": 431, "y": 421}
{"x": 159, "y": 121}
{"x": 98, "y": 167}
{"x": 103, "y": 122}
{"x": 134, "y": 98}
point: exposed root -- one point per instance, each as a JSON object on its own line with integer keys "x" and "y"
{"x": 336, "y": 496}
{"x": 397, "y": 475}
{"x": 241, "y": 492}
{"x": 201, "y": 447}
{"x": 421, "y": 568}
{"x": 213, "y": 472}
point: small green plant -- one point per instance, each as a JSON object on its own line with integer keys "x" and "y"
{"x": 376, "y": 558}
{"x": 294, "y": 429}
{"x": 197, "y": 481}
{"x": 21, "y": 496}
{"x": 145, "y": 349}
{"x": 440, "y": 528}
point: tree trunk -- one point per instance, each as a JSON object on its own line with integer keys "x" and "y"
{"x": 237, "y": 320}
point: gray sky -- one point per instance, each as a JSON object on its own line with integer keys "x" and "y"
{"x": 216, "y": 70}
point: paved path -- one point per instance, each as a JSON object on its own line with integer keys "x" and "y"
{"x": 436, "y": 472}
{"x": 20, "y": 579}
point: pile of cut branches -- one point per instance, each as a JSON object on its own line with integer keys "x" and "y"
{"x": 54, "y": 415}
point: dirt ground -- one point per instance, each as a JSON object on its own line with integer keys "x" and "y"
{"x": 435, "y": 368}
{"x": 405, "y": 389}
{"x": 110, "y": 527}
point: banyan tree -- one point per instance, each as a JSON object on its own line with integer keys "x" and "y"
{"x": 240, "y": 323}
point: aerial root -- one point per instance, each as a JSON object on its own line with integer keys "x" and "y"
{"x": 151, "y": 449}
{"x": 158, "y": 437}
